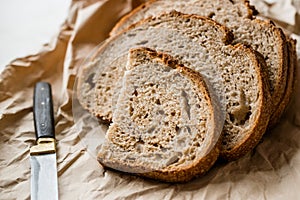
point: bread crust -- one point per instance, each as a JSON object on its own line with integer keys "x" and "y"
{"x": 196, "y": 168}
{"x": 118, "y": 27}
{"x": 279, "y": 85}
{"x": 290, "y": 84}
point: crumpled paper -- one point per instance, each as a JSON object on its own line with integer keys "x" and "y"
{"x": 271, "y": 171}
{"x": 284, "y": 13}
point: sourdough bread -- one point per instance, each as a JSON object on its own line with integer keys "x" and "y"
{"x": 164, "y": 126}
{"x": 263, "y": 36}
{"x": 234, "y": 72}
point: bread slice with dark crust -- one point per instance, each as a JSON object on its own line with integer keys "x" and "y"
{"x": 234, "y": 72}
{"x": 165, "y": 125}
{"x": 262, "y": 35}
{"x": 290, "y": 85}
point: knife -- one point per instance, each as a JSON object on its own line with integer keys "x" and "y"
{"x": 43, "y": 154}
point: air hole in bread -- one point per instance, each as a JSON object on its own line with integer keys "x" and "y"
{"x": 135, "y": 93}
{"x": 224, "y": 142}
{"x": 231, "y": 117}
{"x": 197, "y": 144}
{"x": 234, "y": 94}
{"x": 173, "y": 159}
{"x": 173, "y": 113}
{"x": 131, "y": 35}
{"x": 89, "y": 80}
{"x": 211, "y": 15}
{"x": 239, "y": 14}
{"x": 89, "y": 104}
{"x": 146, "y": 115}
{"x": 266, "y": 57}
{"x": 151, "y": 129}
{"x": 185, "y": 102}
{"x": 107, "y": 89}
{"x": 155, "y": 144}
{"x": 247, "y": 117}
{"x": 161, "y": 112}
{"x": 189, "y": 130}
{"x": 235, "y": 104}
{"x": 131, "y": 159}
{"x": 157, "y": 101}
{"x": 177, "y": 129}
{"x": 240, "y": 115}
{"x": 142, "y": 42}
{"x": 193, "y": 157}
{"x": 104, "y": 99}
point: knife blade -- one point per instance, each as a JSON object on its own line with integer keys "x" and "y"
{"x": 44, "y": 184}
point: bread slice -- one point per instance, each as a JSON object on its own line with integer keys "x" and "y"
{"x": 165, "y": 124}
{"x": 234, "y": 72}
{"x": 290, "y": 85}
{"x": 237, "y": 15}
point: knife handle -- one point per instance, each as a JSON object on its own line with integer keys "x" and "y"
{"x": 43, "y": 111}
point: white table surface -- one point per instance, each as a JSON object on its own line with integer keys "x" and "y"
{"x": 25, "y": 25}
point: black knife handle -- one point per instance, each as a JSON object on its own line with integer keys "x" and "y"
{"x": 43, "y": 111}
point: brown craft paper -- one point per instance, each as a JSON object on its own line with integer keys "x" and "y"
{"x": 271, "y": 171}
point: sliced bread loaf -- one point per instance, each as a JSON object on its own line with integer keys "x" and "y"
{"x": 235, "y": 72}
{"x": 165, "y": 124}
{"x": 237, "y": 15}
